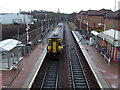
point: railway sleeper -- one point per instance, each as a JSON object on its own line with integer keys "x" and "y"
{"x": 75, "y": 71}
{"x": 81, "y": 86}
{"x": 79, "y": 80}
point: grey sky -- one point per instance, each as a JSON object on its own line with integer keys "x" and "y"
{"x": 65, "y": 6}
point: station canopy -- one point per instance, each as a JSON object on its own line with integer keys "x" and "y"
{"x": 94, "y": 33}
{"x": 8, "y": 44}
{"x": 111, "y": 36}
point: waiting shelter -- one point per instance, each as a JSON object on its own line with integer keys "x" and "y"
{"x": 110, "y": 42}
{"x": 10, "y": 53}
{"x": 94, "y": 37}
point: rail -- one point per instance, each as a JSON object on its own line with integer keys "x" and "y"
{"x": 50, "y": 79}
{"x": 78, "y": 76}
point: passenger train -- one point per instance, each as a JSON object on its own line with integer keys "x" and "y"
{"x": 55, "y": 42}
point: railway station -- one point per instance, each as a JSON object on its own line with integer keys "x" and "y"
{"x": 27, "y": 72}
{"x": 46, "y": 50}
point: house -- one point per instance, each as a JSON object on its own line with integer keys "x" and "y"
{"x": 112, "y": 20}
{"x": 104, "y": 16}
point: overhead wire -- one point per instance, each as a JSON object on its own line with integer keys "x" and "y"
{"x": 8, "y": 10}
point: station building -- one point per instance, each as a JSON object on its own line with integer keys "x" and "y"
{"x": 110, "y": 42}
{"x": 10, "y": 53}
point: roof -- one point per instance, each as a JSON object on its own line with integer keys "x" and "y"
{"x": 106, "y": 13}
{"x": 112, "y": 36}
{"x": 8, "y": 44}
{"x": 94, "y": 33}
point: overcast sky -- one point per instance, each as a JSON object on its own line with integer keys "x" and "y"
{"x": 65, "y": 6}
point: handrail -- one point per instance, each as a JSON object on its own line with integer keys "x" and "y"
{"x": 105, "y": 54}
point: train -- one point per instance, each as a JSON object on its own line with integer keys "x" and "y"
{"x": 55, "y": 42}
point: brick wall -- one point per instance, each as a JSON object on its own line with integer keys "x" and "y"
{"x": 101, "y": 18}
{"x": 96, "y": 20}
{"x": 110, "y": 22}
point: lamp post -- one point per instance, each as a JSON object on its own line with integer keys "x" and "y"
{"x": 18, "y": 22}
{"x": 45, "y": 20}
{"x": 80, "y": 24}
{"x": 104, "y": 30}
{"x": 87, "y": 26}
{"x": 86, "y": 21}
{"x": 48, "y": 25}
{"x": 28, "y": 44}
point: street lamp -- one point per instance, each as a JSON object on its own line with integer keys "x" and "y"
{"x": 104, "y": 30}
{"x": 86, "y": 21}
{"x": 18, "y": 22}
{"x": 42, "y": 28}
{"x": 48, "y": 25}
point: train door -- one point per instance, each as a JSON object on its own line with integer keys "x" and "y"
{"x": 54, "y": 47}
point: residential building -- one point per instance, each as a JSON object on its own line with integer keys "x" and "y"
{"x": 104, "y": 16}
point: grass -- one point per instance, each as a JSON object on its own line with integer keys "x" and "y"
{"x": 98, "y": 30}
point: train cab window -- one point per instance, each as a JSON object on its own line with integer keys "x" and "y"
{"x": 50, "y": 42}
{"x": 59, "y": 43}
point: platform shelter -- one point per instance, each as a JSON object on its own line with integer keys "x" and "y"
{"x": 10, "y": 53}
{"x": 109, "y": 41}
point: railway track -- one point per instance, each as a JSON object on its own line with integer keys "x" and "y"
{"x": 70, "y": 71}
{"x": 50, "y": 79}
{"x": 48, "y": 76}
{"x": 78, "y": 77}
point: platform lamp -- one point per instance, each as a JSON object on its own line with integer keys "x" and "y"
{"x": 28, "y": 43}
{"x": 104, "y": 30}
{"x": 17, "y": 21}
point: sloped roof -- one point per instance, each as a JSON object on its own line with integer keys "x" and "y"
{"x": 112, "y": 36}
{"x": 101, "y": 12}
{"x": 8, "y": 44}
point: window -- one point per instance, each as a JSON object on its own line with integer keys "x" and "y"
{"x": 59, "y": 43}
{"x": 50, "y": 42}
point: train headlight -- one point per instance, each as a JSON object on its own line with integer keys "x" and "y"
{"x": 49, "y": 48}
{"x": 59, "y": 48}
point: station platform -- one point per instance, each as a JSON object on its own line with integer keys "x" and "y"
{"x": 27, "y": 68}
{"x": 106, "y": 75}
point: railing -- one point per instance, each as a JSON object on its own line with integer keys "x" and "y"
{"x": 105, "y": 55}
